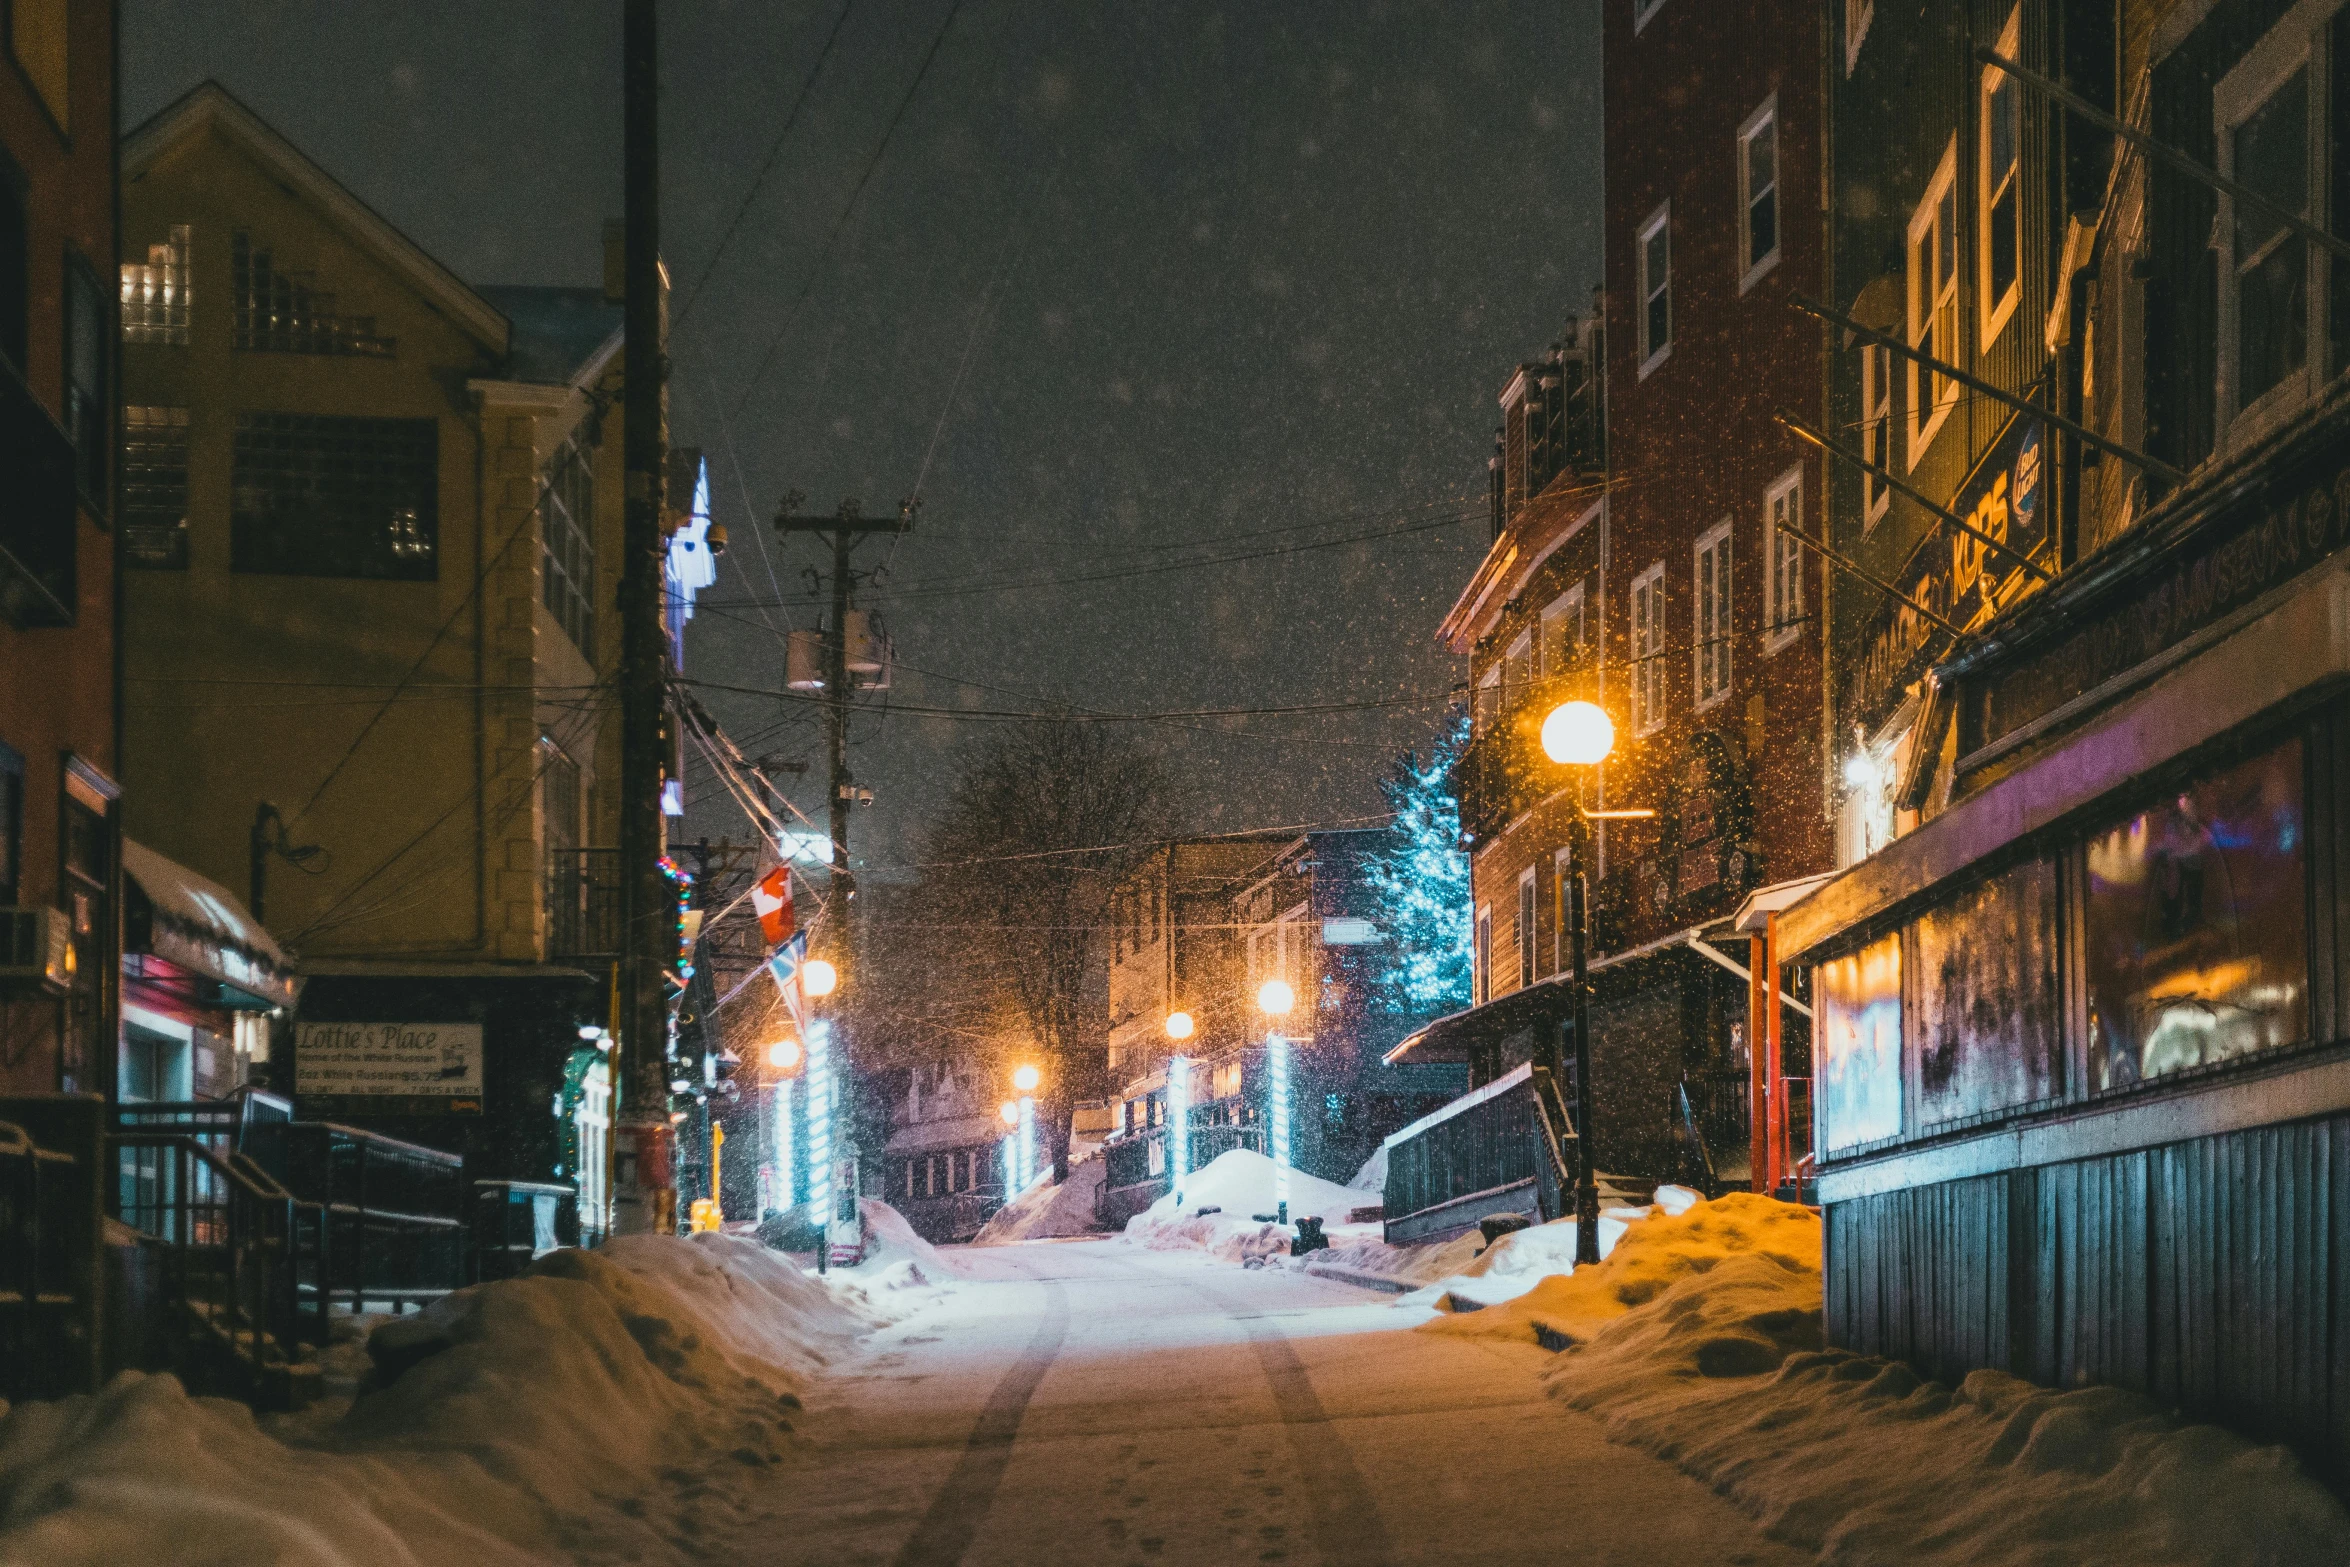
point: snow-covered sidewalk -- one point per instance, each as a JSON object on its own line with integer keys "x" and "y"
{"x": 608, "y": 1405}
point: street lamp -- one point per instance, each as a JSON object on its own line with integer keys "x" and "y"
{"x": 1580, "y": 734}
{"x": 784, "y": 1054}
{"x": 1274, "y": 999}
{"x": 818, "y": 977}
{"x": 1025, "y": 1078}
{"x": 1179, "y": 1026}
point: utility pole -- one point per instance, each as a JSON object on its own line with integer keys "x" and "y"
{"x": 648, "y": 947}
{"x": 846, "y": 527}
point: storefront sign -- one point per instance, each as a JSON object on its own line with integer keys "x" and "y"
{"x": 2258, "y": 549}
{"x": 403, "y": 1060}
{"x": 1958, "y": 576}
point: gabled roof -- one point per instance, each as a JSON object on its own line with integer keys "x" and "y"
{"x": 211, "y": 107}
{"x": 562, "y": 336}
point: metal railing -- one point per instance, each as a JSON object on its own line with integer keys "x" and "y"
{"x": 247, "y": 1260}
{"x": 585, "y": 903}
{"x": 42, "y": 1311}
{"x": 1136, "y": 1157}
{"x": 394, "y": 1211}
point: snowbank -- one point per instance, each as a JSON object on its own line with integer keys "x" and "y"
{"x": 1698, "y": 1341}
{"x": 1464, "y": 1274}
{"x": 510, "y": 1422}
{"x": 1045, "y": 1211}
{"x": 896, "y": 1259}
{"x": 1239, "y": 1184}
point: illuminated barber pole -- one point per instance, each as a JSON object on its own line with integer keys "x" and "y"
{"x": 820, "y": 1195}
{"x": 1277, "y": 1113}
{"x": 787, "y": 1194}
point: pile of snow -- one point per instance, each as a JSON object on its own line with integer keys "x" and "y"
{"x": 561, "y": 1413}
{"x": 1698, "y": 1340}
{"x": 1372, "y": 1177}
{"x": 1238, "y": 1185}
{"x": 1463, "y": 1273}
{"x": 1045, "y": 1211}
{"x": 896, "y": 1259}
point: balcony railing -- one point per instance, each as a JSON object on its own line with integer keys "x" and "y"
{"x": 585, "y": 903}
{"x": 39, "y": 518}
{"x": 1487, "y": 1152}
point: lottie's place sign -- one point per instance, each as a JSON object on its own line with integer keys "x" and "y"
{"x": 422, "y": 1059}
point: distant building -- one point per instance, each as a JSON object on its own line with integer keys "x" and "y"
{"x": 372, "y": 515}
{"x": 60, "y": 823}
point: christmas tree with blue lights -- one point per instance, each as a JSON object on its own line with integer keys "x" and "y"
{"x": 1421, "y": 878}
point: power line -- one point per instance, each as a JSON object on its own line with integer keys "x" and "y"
{"x": 1090, "y": 715}
{"x": 766, "y": 167}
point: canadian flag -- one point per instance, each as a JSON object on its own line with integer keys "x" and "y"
{"x": 771, "y": 897}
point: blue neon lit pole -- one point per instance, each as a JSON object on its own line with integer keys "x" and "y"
{"x": 1277, "y": 1111}
{"x": 1178, "y": 1125}
{"x": 1027, "y": 1141}
{"x": 785, "y": 1152}
{"x": 819, "y": 1074}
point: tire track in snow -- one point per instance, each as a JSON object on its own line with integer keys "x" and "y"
{"x": 1347, "y": 1528}
{"x": 962, "y": 1505}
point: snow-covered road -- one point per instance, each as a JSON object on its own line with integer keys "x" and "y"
{"x": 1097, "y": 1403}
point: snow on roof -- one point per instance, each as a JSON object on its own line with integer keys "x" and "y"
{"x": 214, "y": 916}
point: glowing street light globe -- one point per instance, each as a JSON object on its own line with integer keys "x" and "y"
{"x": 819, "y": 978}
{"x": 1275, "y": 998}
{"x": 1025, "y": 1078}
{"x": 1009, "y": 1111}
{"x": 1578, "y": 734}
{"x": 784, "y": 1054}
{"x": 1179, "y": 1025}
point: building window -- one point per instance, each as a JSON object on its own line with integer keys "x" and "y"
{"x": 1525, "y": 929}
{"x": 317, "y": 496}
{"x": 2196, "y": 924}
{"x": 1758, "y": 193}
{"x": 1876, "y": 429}
{"x": 2000, "y": 185}
{"x": 1562, "y": 875}
{"x": 1488, "y": 704}
{"x": 155, "y": 296}
{"x": 1656, "y": 288}
{"x": 1933, "y": 303}
{"x": 1517, "y": 670}
{"x": 1783, "y": 561}
{"x": 154, "y": 511}
{"x": 567, "y": 549}
{"x": 280, "y": 313}
{"x": 15, "y": 279}
{"x": 1480, "y": 982}
{"x": 1648, "y": 649}
{"x": 11, "y": 822}
{"x": 1857, "y": 16}
{"x": 1642, "y": 10}
{"x": 1857, "y": 1087}
{"x": 560, "y": 798}
{"x": 87, "y": 345}
{"x": 2273, "y": 111}
{"x": 1710, "y": 646}
{"x": 1562, "y": 632}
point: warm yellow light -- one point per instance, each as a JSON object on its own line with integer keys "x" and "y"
{"x": 1578, "y": 733}
{"x": 1009, "y": 1111}
{"x": 784, "y": 1054}
{"x": 1275, "y": 998}
{"x": 819, "y": 978}
{"x": 1025, "y": 1078}
{"x": 1179, "y": 1025}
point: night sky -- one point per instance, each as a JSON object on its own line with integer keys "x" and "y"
{"x": 1249, "y": 274}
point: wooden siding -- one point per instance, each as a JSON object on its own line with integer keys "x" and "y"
{"x": 2212, "y": 1275}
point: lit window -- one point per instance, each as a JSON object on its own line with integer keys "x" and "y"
{"x": 1999, "y": 196}
{"x": 567, "y": 549}
{"x": 1525, "y": 929}
{"x": 1656, "y": 288}
{"x": 1480, "y": 981}
{"x": 154, "y": 511}
{"x": 1711, "y": 649}
{"x": 1648, "y": 648}
{"x": 1562, "y": 632}
{"x": 1758, "y": 191}
{"x": 281, "y": 313}
{"x": 1933, "y": 303}
{"x": 1876, "y": 428}
{"x": 1783, "y": 561}
{"x": 155, "y": 295}
{"x": 317, "y": 496}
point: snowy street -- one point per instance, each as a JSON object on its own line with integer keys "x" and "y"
{"x": 1099, "y": 1403}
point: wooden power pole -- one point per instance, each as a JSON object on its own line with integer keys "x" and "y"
{"x": 648, "y": 938}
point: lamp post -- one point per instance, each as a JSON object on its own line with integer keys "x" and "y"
{"x": 1580, "y": 734}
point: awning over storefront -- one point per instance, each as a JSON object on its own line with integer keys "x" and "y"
{"x": 200, "y": 926}
{"x": 960, "y": 1131}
